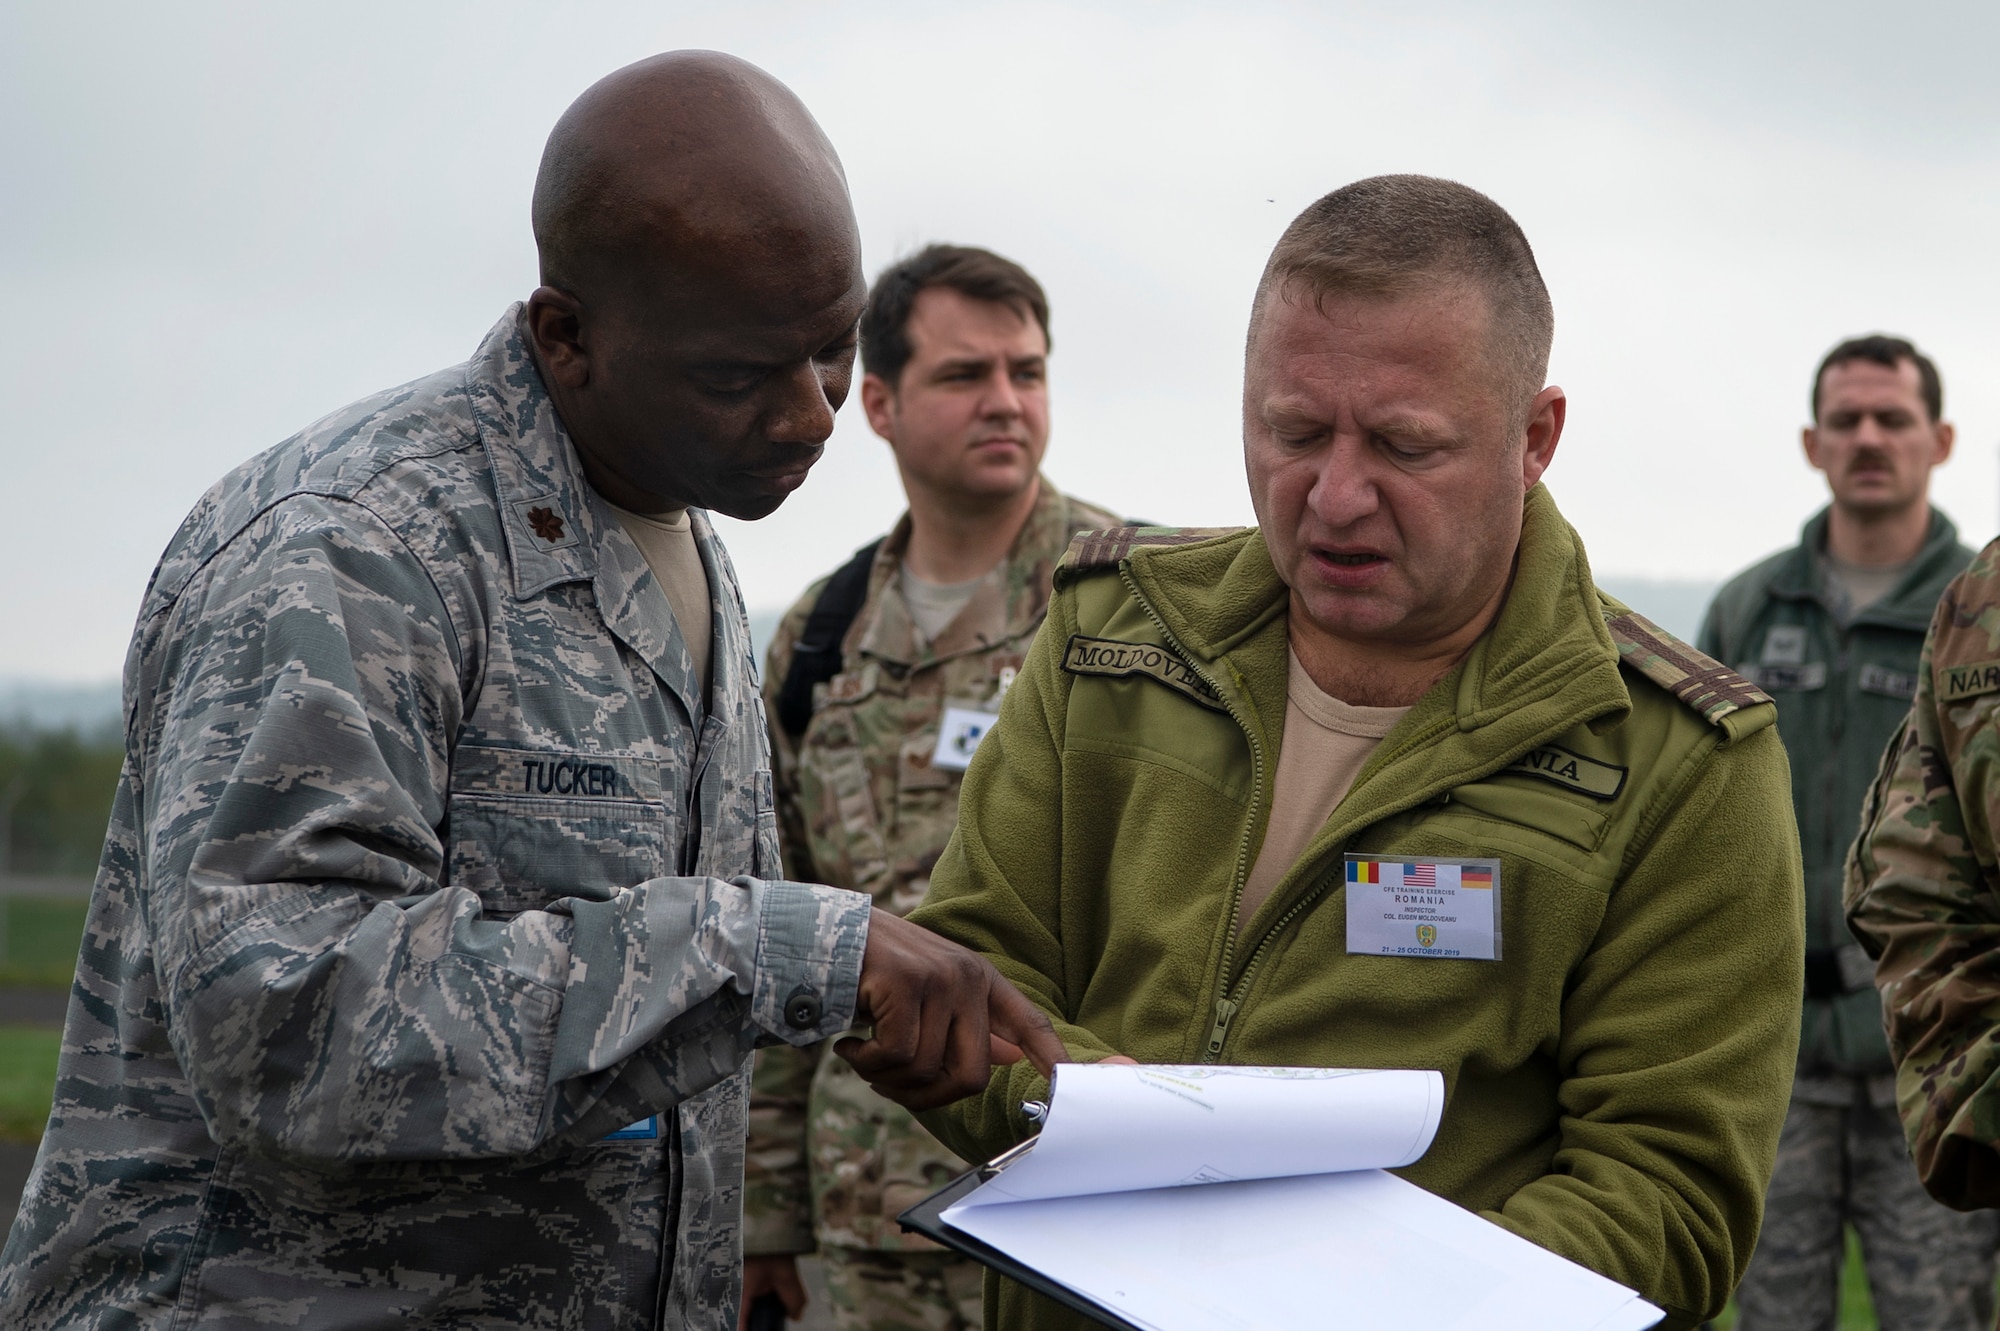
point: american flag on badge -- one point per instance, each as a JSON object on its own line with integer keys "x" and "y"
{"x": 1420, "y": 875}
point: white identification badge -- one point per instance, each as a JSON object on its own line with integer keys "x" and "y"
{"x": 1399, "y": 906}
{"x": 958, "y": 736}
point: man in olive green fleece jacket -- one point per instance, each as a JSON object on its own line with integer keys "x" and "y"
{"x": 1135, "y": 851}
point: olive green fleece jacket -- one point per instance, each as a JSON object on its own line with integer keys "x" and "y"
{"x": 1616, "y": 1080}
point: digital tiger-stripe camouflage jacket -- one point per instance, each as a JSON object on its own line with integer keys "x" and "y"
{"x": 432, "y": 932}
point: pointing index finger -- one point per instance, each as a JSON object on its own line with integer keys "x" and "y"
{"x": 1019, "y": 1022}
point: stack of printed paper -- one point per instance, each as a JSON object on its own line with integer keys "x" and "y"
{"x": 1221, "y": 1197}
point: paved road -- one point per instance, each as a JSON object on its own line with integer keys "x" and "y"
{"x": 43, "y": 885}
{"x": 29, "y": 1007}
{"x": 23, "y": 1007}
{"x": 15, "y": 1162}
{"x": 33, "y": 1007}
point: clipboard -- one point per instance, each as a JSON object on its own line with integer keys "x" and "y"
{"x": 925, "y": 1218}
{"x": 1081, "y": 1206}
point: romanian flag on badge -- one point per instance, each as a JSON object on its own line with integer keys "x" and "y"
{"x": 1474, "y": 875}
{"x": 1364, "y": 871}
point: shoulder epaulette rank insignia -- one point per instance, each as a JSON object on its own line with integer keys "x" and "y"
{"x": 1698, "y": 680}
{"x": 1108, "y": 548}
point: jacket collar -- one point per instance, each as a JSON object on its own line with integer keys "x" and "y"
{"x": 553, "y": 531}
{"x": 1912, "y": 600}
{"x": 1546, "y": 663}
{"x": 558, "y": 529}
{"x": 1000, "y": 610}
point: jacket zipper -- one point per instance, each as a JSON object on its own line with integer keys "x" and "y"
{"x": 1241, "y": 989}
{"x": 1837, "y": 707}
{"x": 1229, "y": 999}
{"x": 1225, "y": 1009}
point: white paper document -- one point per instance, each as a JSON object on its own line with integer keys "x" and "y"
{"x": 1181, "y": 1198}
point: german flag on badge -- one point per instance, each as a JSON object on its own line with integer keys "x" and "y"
{"x": 1475, "y": 875}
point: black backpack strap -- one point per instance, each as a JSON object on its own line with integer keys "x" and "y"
{"x": 816, "y": 656}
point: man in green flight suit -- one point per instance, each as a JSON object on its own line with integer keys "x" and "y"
{"x": 1832, "y": 629}
{"x": 1223, "y": 746}
{"x": 869, "y": 750}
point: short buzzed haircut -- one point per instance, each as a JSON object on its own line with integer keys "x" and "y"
{"x": 1888, "y": 352}
{"x": 972, "y": 272}
{"x": 1395, "y": 235}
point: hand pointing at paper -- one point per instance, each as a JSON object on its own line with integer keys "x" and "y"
{"x": 943, "y": 1017}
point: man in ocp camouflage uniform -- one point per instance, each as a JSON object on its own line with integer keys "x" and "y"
{"x": 868, "y": 759}
{"x": 1832, "y": 629}
{"x": 440, "y": 908}
{"x": 1923, "y": 896}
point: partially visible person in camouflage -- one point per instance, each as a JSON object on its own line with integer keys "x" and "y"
{"x": 1832, "y": 629}
{"x": 441, "y": 908}
{"x": 1923, "y": 896}
{"x": 870, "y": 746}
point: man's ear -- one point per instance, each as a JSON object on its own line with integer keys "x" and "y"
{"x": 878, "y": 403}
{"x": 1546, "y": 415}
{"x": 1946, "y": 436}
{"x": 555, "y": 326}
{"x": 1809, "y": 441}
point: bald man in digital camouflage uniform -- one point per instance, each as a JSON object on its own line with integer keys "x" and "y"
{"x": 441, "y": 908}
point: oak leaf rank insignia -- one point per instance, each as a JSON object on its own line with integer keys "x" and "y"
{"x": 546, "y": 522}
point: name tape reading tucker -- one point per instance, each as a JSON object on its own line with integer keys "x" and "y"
{"x": 1399, "y": 906}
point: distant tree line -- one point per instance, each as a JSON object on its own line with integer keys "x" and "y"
{"x": 55, "y": 798}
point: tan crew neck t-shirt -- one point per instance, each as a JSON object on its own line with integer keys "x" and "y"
{"x": 667, "y": 542}
{"x": 933, "y": 605}
{"x": 1326, "y": 743}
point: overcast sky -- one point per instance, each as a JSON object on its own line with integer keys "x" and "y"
{"x": 222, "y": 221}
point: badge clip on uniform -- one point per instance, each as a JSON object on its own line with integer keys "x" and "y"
{"x": 1400, "y": 906}
{"x": 958, "y": 735}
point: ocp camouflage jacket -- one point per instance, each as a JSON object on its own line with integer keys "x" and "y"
{"x": 432, "y": 931}
{"x": 1923, "y": 895}
{"x": 862, "y": 805}
{"x": 1841, "y": 692}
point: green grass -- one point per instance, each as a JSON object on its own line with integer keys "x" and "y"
{"x": 38, "y": 940}
{"x": 27, "y": 1080}
{"x": 1856, "y": 1308}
